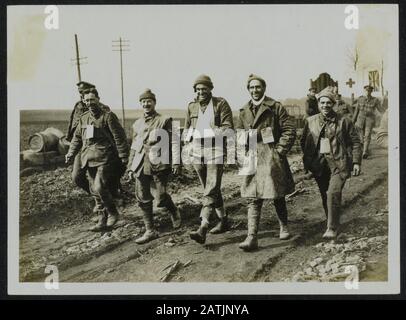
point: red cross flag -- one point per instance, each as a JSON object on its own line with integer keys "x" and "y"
{"x": 374, "y": 79}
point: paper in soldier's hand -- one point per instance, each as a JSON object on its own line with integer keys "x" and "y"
{"x": 267, "y": 135}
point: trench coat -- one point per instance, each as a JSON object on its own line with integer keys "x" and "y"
{"x": 273, "y": 178}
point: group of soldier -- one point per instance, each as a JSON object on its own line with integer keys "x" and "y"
{"x": 332, "y": 151}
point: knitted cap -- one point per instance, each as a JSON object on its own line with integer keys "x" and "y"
{"x": 147, "y": 94}
{"x": 255, "y": 77}
{"x": 203, "y": 79}
{"x": 327, "y": 92}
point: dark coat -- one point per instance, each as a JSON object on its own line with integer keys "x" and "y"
{"x": 78, "y": 110}
{"x": 344, "y": 142}
{"x": 273, "y": 178}
{"x": 109, "y": 141}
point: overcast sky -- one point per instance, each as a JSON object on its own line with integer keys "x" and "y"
{"x": 171, "y": 45}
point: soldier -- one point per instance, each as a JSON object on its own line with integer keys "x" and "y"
{"x": 275, "y": 132}
{"x": 78, "y": 174}
{"x": 311, "y": 103}
{"x": 206, "y": 118}
{"x": 341, "y": 107}
{"x": 364, "y": 117}
{"x": 150, "y": 172}
{"x": 331, "y": 150}
{"x": 101, "y": 141}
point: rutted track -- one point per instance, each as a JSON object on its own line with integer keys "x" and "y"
{"x": 113, "y": 256}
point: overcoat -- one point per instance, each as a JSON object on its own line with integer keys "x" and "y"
{"x": 273, "y": 178}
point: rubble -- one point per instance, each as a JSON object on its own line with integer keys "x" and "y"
{"x": 334, "y": 259}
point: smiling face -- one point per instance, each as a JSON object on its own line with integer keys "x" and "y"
{"x": 325, "y": 106}
{"x": 203, "y": 92}
{"x": 148, "y": 105}
{"x": 91, "y": 101}
{"x": 256, "y": 89}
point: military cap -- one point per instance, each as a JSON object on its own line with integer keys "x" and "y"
{"x": 147, "y": 94}
{"x": 255, "y": 77}
{"x": 203, "y": 79}
{"x": 327, "y": 92}
{"x": 368, "y": 86}
{"x": 83, "y": 85}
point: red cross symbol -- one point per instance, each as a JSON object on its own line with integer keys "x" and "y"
{"x": 350, "y": 82}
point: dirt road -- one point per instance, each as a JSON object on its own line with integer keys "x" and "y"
{"x": 53, "y": 231}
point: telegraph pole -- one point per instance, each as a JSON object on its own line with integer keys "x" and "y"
{"x": 121, "y": 45}
{"x": 78, "y": 58}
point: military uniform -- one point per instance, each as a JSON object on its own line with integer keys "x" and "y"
{"x": 272, "y": 178}
{"x": 364, "y": 118}
{"x": 203, "y": 124}
{"x": 330, "y": 145}
{"x": 79, "y": 175}
{"x": 151, "y": 172}
{"x": 343, "y": 109}
{"x": 102, "y": 143}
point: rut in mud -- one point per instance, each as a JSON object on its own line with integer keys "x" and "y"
{"x": 54, "y": 231}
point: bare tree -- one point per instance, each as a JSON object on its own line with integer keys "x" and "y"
{"x": 353, "y": 57}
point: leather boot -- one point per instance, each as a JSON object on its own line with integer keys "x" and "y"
{"x": 200, "y": 234}
{"x": 284, "y": 232}
{"x": 251, "y": 242}
{"x": 101, "y": 223}
{"x": 175, "y": 218}
{"x": 222, "y": 225}
{"x": 98, "y": 205}
{"x": 150, "y": 232}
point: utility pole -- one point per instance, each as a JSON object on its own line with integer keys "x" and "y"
{"x": 121, "y": 45}
{"x": 78, "y": 58}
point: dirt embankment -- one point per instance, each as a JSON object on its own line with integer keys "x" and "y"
{"x": 55, "y": 216}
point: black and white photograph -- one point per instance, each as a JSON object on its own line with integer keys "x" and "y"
{"x": 203, "y": 149}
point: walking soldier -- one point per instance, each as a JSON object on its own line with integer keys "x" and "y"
{"x": 101, "y": 141}
{"x": 208, "y": 117}
{"x": 331, "y": 150}
{"x": 150, "y": 170}
{"x": 272, "y": 179}
{"x": 79, "y": 174}
{"x": 364, "y": 117}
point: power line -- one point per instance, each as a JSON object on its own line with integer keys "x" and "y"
{"x": 121, "y": 45}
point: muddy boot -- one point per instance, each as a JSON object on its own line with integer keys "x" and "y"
{"x": 251, "y": 242}
{"x": 150, "y": 232}
{"x": 284, "y": 232}
{"x": 175, "y": 218}
{"x": 101, "y": 222}
{"x": 222, "y": 225}
{"x": 330, "y": 234}
{"x": 98, "y": 205}
{"x": 200, "y": 234}
{"x": 112, "y": 217}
